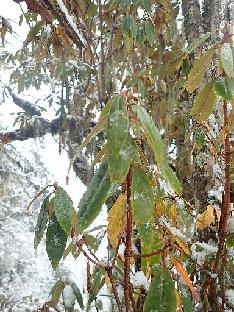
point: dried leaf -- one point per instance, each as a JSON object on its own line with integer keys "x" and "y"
{"x": 117, "y": 39}
{"x": 185, "y": 277}
{"x": 209, "y": 216}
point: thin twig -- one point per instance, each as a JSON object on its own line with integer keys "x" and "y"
{"x": 154, "y": 253}
{"x": 114, "y": 288}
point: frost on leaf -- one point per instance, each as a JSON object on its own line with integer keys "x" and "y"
{"x": 64, "y": 210}
{"x": 56, "y": 240}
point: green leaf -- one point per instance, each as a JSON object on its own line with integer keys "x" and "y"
{"x": 56, "y": 293}
{"x": 161, "y": 294}
{"x": 171, "y": 178}
{"x": 197, "y": 42}
{"x": 142, "y": 196}
{"x": 70, "y": 248}
{"x": 141, "y": 87}
{"x": 94, "y": 197}
{"x": 56, "y": 239}
{"x": 185, "y": 67}
{"x": 96, "y": 281}
{"x": 204, "y": 102}
{"x": 119, "y": 164}
{"x": 98, "y": 128}
{"x": 106, "y": 109}
{"x": 78, "y": 295}
{"x": 152, "y": 133}
{"x": 149, "y": 31}
{"x": 187, "y": 302}
{"x": 126, "y": 23}
{"x": 199, "y": 68}
{"x": 117, "y": 126}
{"x": 151, "y": 241}
{"x": 147, "y": 5}
{"x": 199, "y": 138}
{"x": 41, "y": 222}
{"x": 134, "y": 28}
{"x": 33, "y": 32}
{"x": 91, "y": 241}
{"x": 227, "y": 59}
{"x": 64, "y": 210}
{"x": 224, "y": 87}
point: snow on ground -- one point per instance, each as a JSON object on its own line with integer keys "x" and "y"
{"x": 26, "y": 276}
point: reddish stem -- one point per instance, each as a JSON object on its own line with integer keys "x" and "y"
{"x": 154, "y": 253}
{"x": 128, "y": 247}
{"x": 226, "y": 200}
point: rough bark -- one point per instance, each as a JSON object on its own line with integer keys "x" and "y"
{"x": 192, "y": 28}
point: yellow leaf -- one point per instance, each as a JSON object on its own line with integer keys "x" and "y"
{"x": 185, "y": 277}
{"x": 116, "y": 220}
{"x": 204, "y": 102}
{"x": 178, "y": 301}
{"x": 107, "y": 281}
{"x": 209, "y": 216}
{"x": 167, "y": 209}
{"x": 183, "y": 245}
{"x": 99, "y": 156}
{"x": 128, "y": 42}
{"x": 159, "y": 210}
{"x": 199, "y": 68}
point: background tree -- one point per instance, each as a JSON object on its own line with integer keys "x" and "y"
{"x": 126, "y": 67}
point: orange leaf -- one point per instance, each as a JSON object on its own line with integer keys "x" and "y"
{"x": 185, "y": 277}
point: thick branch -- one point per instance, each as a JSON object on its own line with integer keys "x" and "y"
{"x": 38, "y": 128}
{"x": 28, "y": 107}
{"x": 48, "y": 10}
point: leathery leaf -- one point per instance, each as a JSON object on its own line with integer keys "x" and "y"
{"x": 64, "y": 210}
{"x": 152, "y": 133}
{"x": 119, "y": 164}
{"x": 56, "y": 239}
{"x": 142, "y": 196}
{"x": 161, "y": 295}
{"x": 94, "y": 197}
{"x": 117, "y": 125}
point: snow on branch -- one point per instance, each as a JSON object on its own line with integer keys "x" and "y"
{"x": 29, "y": 108}
{"x": 70, "y": 21}
{"x": 30, "y": 131}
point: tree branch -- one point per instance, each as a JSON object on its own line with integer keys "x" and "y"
{"x": 28, "y": 107}
{"x": 34, "y": 129}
